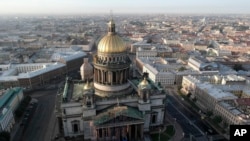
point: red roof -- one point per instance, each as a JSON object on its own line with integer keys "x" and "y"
{"x": 243, "y": 101}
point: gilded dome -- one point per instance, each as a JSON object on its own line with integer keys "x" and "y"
{"x": 144, "y": 82}
{"x": 87, "y": 86}
{"x": 111, "y": 43}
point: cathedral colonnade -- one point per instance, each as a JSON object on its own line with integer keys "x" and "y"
{"x": 120, "y": 133}
{"x": 111, "y": 77}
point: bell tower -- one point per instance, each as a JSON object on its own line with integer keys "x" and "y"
{"x": 144, "y": 90}
{"x": 88, "y": 103}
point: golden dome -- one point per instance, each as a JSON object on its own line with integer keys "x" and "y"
{"x": 144, "y": 82}
{"x": 87, "y": 86}
{"x": 111, "y": 43}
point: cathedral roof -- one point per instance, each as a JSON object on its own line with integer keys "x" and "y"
{"x": 111, "y": 44}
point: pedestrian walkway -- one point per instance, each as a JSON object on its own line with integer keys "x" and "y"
{"x": 147, "y": 137}
{"x": 17, "y": 130}
{"x": 179, "y": 134}
{"x": 14, "y": 130}
{"x": 52, "y": 128}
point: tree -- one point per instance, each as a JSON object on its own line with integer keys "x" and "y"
{"x": 217, "y": 119}
{"x": 22, "y": 106}
{"x": 238, "y": 67}
{"x": 18, "y": 113}
{"x": 159, "y": 83}
{"x": 4, "y": 136}
{"x": 209, "y": 113}
{"x": 68, "y": 38}
{"x": 194, "y": 99}
{"x": 189, "y": 95}
{"x": 210, "y": 46}
{"x": 225, "y": 124}
{"x": 149, "y": 40}
{"x": 182, "y": 68}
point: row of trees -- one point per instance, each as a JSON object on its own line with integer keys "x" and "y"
{"x": 217, "y": 119}
{"x": 22, "y": 106}
{"x": 4, "y": 136}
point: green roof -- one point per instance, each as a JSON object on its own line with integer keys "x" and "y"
{"x": 136, "y": 82}
{"x": 8, "y": 96}
{"x": 77, "y": 91}
{"x": 117, "y": 111}
{"x": 65, "y": 91}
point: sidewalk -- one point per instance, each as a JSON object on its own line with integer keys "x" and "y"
{"x": 17, "y": 130}
{"x": 52, "y": 128}
{"x": 169, "y": 120}
{"x": 14, "y": 130}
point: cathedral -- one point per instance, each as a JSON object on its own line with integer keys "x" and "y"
{"x": 112, "y": 107}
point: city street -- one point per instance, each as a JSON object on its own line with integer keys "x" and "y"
{"x": 190, "y": 122}
{"x": 39, "y": 127}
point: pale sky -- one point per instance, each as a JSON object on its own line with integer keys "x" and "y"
{"x": 123, "y": 6}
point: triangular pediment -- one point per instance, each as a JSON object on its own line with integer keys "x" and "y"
{"x": 118, "y": 114}
{"x": 120, "y": 119}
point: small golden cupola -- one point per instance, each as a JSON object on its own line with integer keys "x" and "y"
{"x": 144, "y": 82}
{"x": 144, "y": 91}
{"x": 87, "y": 86}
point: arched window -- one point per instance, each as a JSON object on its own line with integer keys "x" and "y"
{"x": 114, "y": 77}
{"x": 144, "y": 96}
{"x": 75, "y": 126}
{"x": 153, "y": 118}
{"x": 88, "y": 102}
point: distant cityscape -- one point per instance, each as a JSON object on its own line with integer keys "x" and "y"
{"x": 124, "y": 77}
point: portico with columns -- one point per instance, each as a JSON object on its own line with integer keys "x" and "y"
{"x": 119, "y": 124}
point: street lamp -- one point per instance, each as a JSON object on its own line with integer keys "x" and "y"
{"x": 190, "y": 137}
{"x": 159, "y": 137}
{"x": 174, "y": 122}
{"x": 206, "y": 135}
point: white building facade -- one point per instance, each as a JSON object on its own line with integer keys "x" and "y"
{"x": 9, "y": 100}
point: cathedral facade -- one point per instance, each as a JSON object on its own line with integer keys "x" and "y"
{"x": 112, "y": 106}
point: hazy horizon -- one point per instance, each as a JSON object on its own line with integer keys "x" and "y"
{"x": 61, "y": 7}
